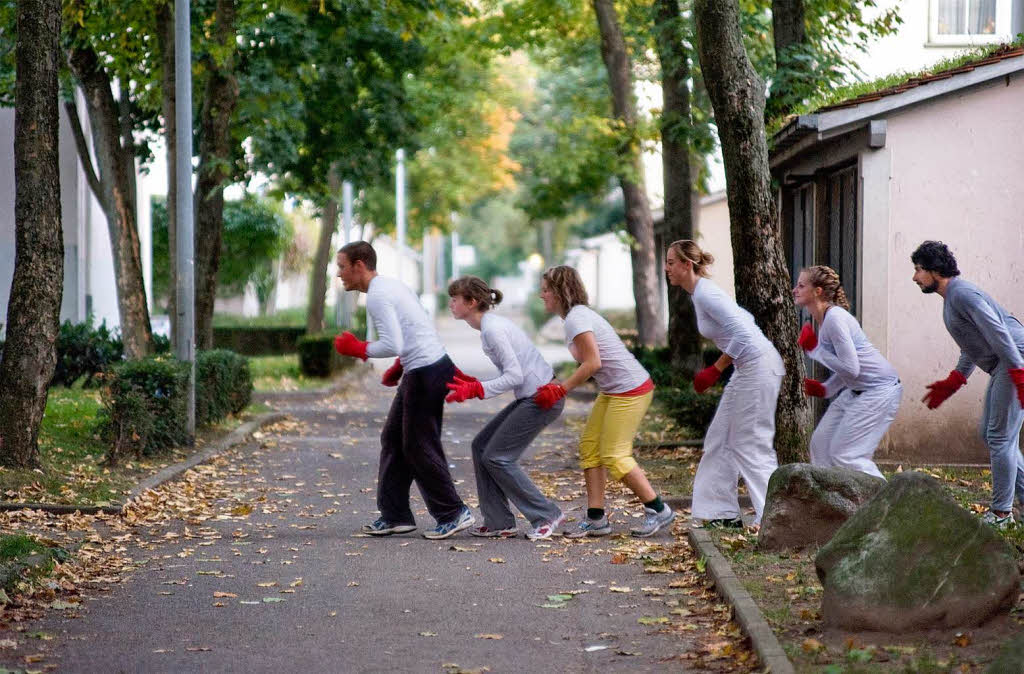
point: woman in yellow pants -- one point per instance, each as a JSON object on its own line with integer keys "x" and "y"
{"x": 626, "y": 391}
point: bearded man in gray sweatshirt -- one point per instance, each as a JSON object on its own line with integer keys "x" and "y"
{"x": 992, "y": 339}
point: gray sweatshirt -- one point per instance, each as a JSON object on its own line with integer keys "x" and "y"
{"x": 988, "y": 336}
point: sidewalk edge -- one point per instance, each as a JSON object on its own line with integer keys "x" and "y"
{"x": 745, "y": 610}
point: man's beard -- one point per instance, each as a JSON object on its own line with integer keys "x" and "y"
{"x": 928, "y": 289}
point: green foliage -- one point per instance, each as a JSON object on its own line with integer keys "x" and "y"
{"x": 144, "y": 407}
{"x": 317, "y": 357}
{"x": 223, "y": 385}
{"x": 85, "y": 350}
{"x": 675, "y": 388}
{"x": 256, "y": 232}
{"x": 501, "y": 233}
{"x": 23, "y": 558}
{"x": 145, "y": 401}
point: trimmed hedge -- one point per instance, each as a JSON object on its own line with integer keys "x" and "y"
{"x": 317, "y": 357}
{"x": 257, "y": 341}
{"x": 145, "y": 401}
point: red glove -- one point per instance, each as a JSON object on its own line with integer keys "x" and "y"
{"x": 706, "y": 378}
{"x": 393, "y": 373}
{"x": 464, "y": 389}
{"x": 807, "y": 340}
{"x": 549, "y": 394}
{"x": 462, "y": 375}
{"x": 1017, "y": 375}
{"x": 942, "y": 389}
{"x": 348, "y": 344}
{"x": 814, "y": 388}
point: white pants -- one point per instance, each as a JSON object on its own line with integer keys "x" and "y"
{"x": 852, "y": 427}
{"x": 740, "y": 442}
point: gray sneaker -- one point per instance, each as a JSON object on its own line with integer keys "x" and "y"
{"x": 589, "y": 527}
{"x": 654, "y": 521}
{"x": 998, "y": 521}
{"x": 464, "y": 520}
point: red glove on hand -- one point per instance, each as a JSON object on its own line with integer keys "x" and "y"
{"x": 459, "y": 374}
{"x": 814, "y": 388}
{"x": 706, "y": 378}
{"x": 942, "y": 389}
{"x": 464, "y": 389}
{"x": 393, "y": 373}
{"x": 807, "y": 340}
{"x": 1017, "y": 376}
{"x": 549, "y": 394}
{"x": 348, "y": 344}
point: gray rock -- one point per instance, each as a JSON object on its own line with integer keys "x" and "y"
{"x": 910, "y": 559}
{"x": 806, "y": 504}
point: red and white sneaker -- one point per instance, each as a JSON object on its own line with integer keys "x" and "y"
{"x": 546, "y": 530}
{"x": 487, "y": 532}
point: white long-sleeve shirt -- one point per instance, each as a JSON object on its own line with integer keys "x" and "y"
{"x": 521, "y": 367}
{"x": 403, "y": 327}
{"x": 844, "y": 348}
{"x": 731, "y": 327}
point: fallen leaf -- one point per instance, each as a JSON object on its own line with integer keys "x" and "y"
{"x": 459, "y": 548}
{"x": 488, "y": 636}
{"x": 270, "y": 584}
{"x": 559, "y": 597}
{"x": 272, "y": 600}
{"x": 428, "y": 634}
{"x": 619, "y": 558}
{"x": 811, "y": 645}
{"x": 651, "y": 620}
{"x": 616, "y": 588}
{"x": 591, "y": 649}
{"x": 229, "y": 595}
{"x": 198, "y": 649}
{"x": 622, "y": 652}
{"x": 962, "y": 639}
{"x": 497, "y": 560}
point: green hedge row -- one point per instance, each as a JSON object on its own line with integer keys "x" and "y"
{"x": 675, "y": 388}
{"x": 317, "y": 357}
{"x": 145, "y": 401}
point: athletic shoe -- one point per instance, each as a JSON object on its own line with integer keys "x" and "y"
{"x": 723, "y": 523}
{"x": 997, "y": 521}
{"x": 589, "y": 527}
{"x": 487, "y": 532}
{"x": 546, "y": 529}
{"x": 382, "y": 527}
{"x": 464, "y": 520}
{"x": 654, "y": 521}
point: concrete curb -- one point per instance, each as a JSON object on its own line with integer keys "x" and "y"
{"x": 746, "y": 612}
{"x": 235, "y": 437}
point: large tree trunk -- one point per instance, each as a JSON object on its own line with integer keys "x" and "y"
{"x": 165, "y": 36}
{"x": 639, "y": 222}
{"x": 219, "y": 102}
{"x": 762, "y": 282}
{"x": 33, "y": 313}
{"x": 114, "y": 186}
{"x": 683, "y": 337}
{"x": 790, "y": 33}
{"x": 318, "y": 280}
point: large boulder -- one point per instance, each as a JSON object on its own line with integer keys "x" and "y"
{"x": 806, "y": 504}
{"x": 910, "y": 559}
{"x": 1010, "y": 659}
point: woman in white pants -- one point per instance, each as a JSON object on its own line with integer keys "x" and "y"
{"x": 865, "y": 388}
{"x": 740, "y": 439}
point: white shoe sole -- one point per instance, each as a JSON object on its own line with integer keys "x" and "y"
{"x": 551, "y": 532}
{"x": 397, "y": 529}
{"x": 462, "y": 526}
{"x": 638, "y": 534}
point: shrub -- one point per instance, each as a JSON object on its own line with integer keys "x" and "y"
{"x": 317, "y": 357}
{"x": 145, "y": 407}
{"x": 85, "y": 351}
{"x": 675, "y": 387}
{"x": 223, "y": 385}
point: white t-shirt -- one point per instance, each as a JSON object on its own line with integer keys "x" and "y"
{"x": 844, "y": 348}
{"x": 403, "y": 327}
{"x": 620, "y": 371}
{"x": 522, "y": 369}
{"x": 728, "y": 325}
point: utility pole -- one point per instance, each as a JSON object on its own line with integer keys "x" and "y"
{"x": 186, "y": 286}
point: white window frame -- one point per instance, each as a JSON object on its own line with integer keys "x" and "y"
{"x": 1004, "y": 18}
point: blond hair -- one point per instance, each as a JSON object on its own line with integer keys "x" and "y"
{"x": 474, "y": 288}
{"x": 566, "y": 284}
{"x": 826, "y": 278}
{"x": 685, "y": 249}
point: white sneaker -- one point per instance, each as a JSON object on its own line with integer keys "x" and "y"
{"x": 654, "y": 521}
{"x": 546, "y": 530}
{"x": 998, "y": 521}
{"x": 464, "y": 520}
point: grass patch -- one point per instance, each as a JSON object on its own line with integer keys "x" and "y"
{"x": 22, "y": 558}
{"x": 72, "y": 469}
{"x": 281, "y": 373}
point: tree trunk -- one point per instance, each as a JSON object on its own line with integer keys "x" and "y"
{"x": 165, "y": 35}
{"x": 683, "y": 336}
{"x": 762, "y": 281}
{"x": 33, "y": 314}
{"x": 219, "y": 102}
{"x": 318, "y": 280}
{"x": 790, "y": 33}
{"x": 639, "y": 222}
{"x": 114, "y": 186}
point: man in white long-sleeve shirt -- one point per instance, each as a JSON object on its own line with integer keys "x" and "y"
{"x": 411, "y": 439}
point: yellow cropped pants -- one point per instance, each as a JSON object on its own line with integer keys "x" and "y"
{"x": 607, "y": 439}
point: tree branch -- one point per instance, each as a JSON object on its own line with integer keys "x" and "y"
{"x": 83, "y": 149}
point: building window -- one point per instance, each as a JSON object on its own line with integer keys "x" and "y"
{"x": 968, "y": 22}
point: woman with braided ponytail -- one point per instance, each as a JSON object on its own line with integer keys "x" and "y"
{"x": 866, "y": 387}
{"x": 497, "y": 448}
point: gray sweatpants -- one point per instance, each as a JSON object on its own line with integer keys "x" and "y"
{"x": 1000, "y": 428}
{"x": 499, "y": 477}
